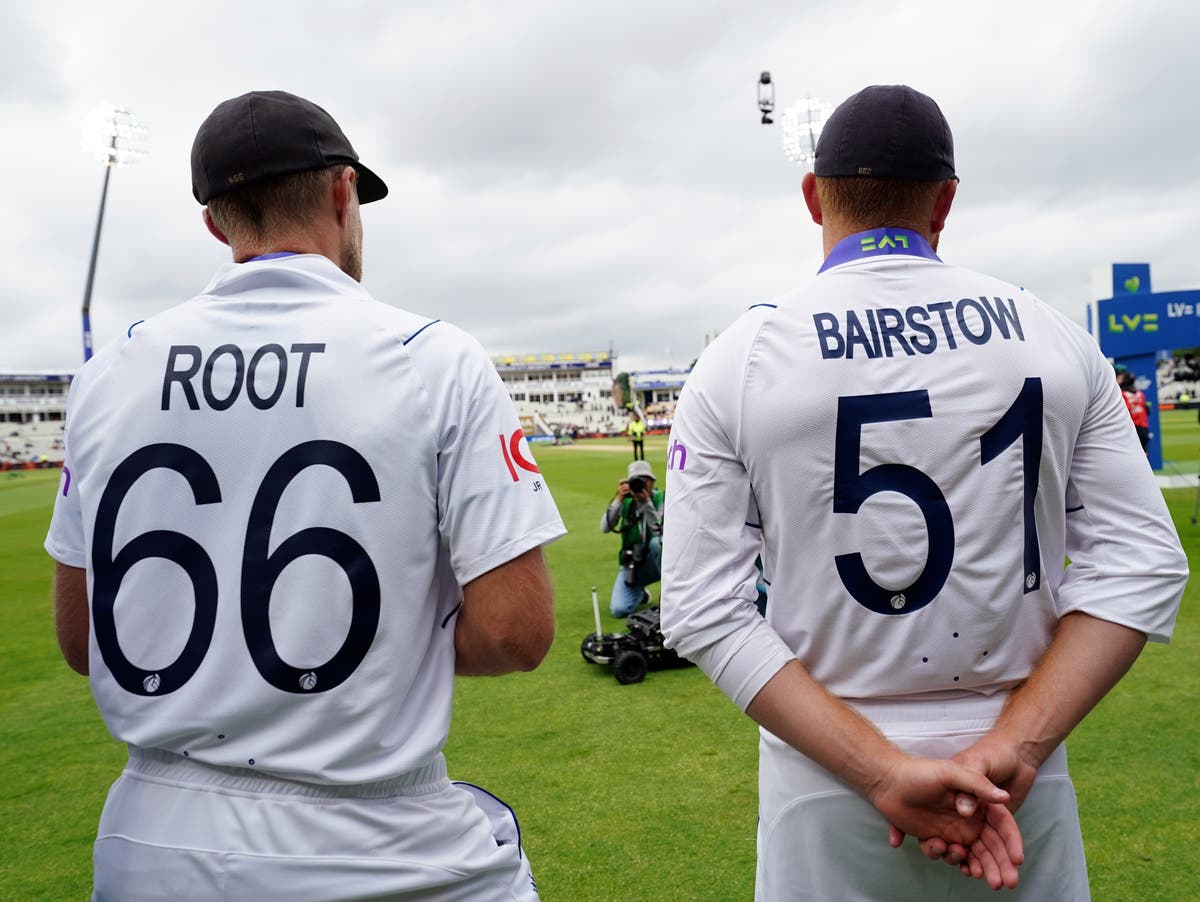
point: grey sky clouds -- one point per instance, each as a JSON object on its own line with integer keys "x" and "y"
{"x": 568, "y": 174}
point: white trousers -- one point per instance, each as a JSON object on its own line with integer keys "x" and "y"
{"x": 176, "y": 830}
{"x": 819, "y": 840}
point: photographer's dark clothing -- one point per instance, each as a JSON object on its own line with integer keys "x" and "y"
{"x": 640, "y": 527}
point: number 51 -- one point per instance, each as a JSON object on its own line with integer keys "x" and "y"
{"x": 851, "y": 488}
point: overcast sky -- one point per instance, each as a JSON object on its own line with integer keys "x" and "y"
{"x": 566, "y": 176}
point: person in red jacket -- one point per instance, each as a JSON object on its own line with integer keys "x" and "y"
{"x": 1135, "y": 401}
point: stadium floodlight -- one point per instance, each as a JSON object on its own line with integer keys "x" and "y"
{"x": 766, "y": 97}
{"x": 115, "y": 137}
{"x": 802, "y": 123}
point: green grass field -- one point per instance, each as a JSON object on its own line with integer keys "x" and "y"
{"x": 643, "y": 792}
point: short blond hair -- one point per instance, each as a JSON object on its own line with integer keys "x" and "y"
{"x": 252, "y": 214}
{"x": 873, "y": 203}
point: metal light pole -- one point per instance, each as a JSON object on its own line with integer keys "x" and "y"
{"x": 116, "y": 138}
{"x": 802, "y": 124}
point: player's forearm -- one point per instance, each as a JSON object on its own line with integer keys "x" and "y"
{"x": 71, "y": 615}
{"x": 800, "y": 711}
{"x": 479, "y": 653}
{"x": 1086, "y": 658}
{"x": 506, "y": 622}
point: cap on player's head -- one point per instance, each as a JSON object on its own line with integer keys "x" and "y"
{"x": 270, "y": 133}
{"x": 889, "y": 132}
{"x": 641, "y": 468}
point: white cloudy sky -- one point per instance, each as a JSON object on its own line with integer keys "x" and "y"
{"x": 569, "y": 175}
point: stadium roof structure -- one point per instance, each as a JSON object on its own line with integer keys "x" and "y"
{"x": 646, "y": 380}
{"x": 584, "y": 360}
{"x": 36, "y": 375}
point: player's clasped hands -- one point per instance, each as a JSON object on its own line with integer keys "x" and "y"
{"x": 956, "y": 813}
{"x": 1003, "y": 763}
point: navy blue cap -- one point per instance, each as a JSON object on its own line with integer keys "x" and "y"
{"x": 269, "y": 133}
{"x": 889, "y": 132}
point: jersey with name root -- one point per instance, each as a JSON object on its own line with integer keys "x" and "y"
{"x": 920, "y": 448}
{"x": 278, "y": 489}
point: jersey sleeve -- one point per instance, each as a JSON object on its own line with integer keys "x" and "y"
{"x": 1126, "y": 562}
{"x": 493, "y": 502}
{"x": 708, "y": 569}
{"x": 65, "y": 539}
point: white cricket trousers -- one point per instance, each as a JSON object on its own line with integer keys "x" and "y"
{"x": 176, "y": 830}
{"x": 819, "y": 840}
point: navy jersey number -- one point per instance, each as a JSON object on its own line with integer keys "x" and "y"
{"x": 109, "y": 571}
{"x": 1024, "y": 420}
{"x": 851, "y": 488}
{"x": 260, "y": 568}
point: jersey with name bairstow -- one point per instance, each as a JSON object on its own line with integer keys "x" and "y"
{"x": 921, "y": 447}
{"x": 277, "y": 489}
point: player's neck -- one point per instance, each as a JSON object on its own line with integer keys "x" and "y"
{"x": 833, "y": 231}
{"x": 242, "y": 253}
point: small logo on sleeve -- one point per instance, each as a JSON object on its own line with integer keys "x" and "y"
{"x": 511, "y": 449}
{"x": 66, "y": 480}
{"x": 677, "y": 452}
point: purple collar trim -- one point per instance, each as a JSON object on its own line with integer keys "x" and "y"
{"x": 877, "y": 242}
{"x": 274, "y": 256}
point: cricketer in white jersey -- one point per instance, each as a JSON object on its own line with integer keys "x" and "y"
{"x": 921, "y": 447}
{"x": 277, "y": 490}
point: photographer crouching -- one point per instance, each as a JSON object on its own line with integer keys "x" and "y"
{"x": 636, "y": 513}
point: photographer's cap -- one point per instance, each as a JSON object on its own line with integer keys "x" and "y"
{"x": 889, "y": 132}
{"x": 641, "y": 468}
{"x": 269, "y": 133}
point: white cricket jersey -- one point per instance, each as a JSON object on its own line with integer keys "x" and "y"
{"x": 922, "y": 446}
{"x": 277, "y": 489}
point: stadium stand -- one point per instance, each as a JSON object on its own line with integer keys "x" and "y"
{"x": 1178, "y": 380}
{"x": 655, "y": 393}
{"x": 565, "y": 394}
{"x": 33, "y": 408}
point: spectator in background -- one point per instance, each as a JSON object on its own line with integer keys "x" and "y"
{"x": 636, "y": 514}
{"x": 636, "y": 430}
{"x": 1135, "y": 403}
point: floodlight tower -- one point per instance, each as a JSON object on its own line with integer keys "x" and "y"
{"x": 116, "y": 138}
{"x": 802, "y": 123}
{"x": 766, "y": 97}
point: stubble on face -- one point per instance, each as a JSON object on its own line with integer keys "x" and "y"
{"x": 351, "y": 256}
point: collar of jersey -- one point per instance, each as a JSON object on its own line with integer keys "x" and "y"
{"x": 296, "y": 272}
{"x": 879, "y": 243}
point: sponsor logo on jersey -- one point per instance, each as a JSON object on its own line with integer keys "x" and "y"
{"x": 511, "y": 449}
{"x": 677, "y": 452}
{"x": 870, "y": 242}
{"x": 879, "y": 242}
{"x": 919, "y": 329}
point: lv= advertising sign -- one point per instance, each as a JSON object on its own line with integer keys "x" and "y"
{"x": 1135, "y": 324}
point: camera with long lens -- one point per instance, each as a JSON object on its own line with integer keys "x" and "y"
{"x": 630, "y": 558}
{"x": 637, "y": 484}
